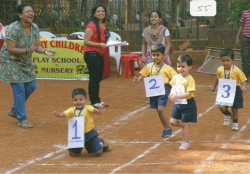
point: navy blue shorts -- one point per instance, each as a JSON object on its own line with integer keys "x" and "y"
{"x": 160, "y": 100}
{"x": 238, "y": 99}
{"x": 185, "y": 112}
{"x": 92, "y": 143}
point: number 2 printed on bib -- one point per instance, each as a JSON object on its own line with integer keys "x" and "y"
{"x": 154, "y": 86}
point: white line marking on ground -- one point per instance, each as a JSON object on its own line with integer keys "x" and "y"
{"x": 154, "y": 147}
{"x": 155, "y": 142}
{"x": 61, "y": 148}
{"x": 135, "y": 159}
{"x": 223, "y": 146}
{"x": 204, "y": 86}
{"x": 125, "y": 117}
{"x": 139, "y": 164}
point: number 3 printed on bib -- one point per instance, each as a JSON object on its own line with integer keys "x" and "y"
{"x": 226, "y": 92}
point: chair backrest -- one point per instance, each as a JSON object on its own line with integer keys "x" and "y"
{"x": 114, "y": 36}
{"x": 47, "y": 34}
{"x": 80, "y": 33}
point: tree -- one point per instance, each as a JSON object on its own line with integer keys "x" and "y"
{"x": 236, "y": 9}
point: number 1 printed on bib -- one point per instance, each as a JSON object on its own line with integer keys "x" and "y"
{"x": 76, "y": 132}
{"x": 178, "y": 90}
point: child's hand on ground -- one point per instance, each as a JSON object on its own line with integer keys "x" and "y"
{"x": 212, "y": 89}
{"x": 58, "y": 114}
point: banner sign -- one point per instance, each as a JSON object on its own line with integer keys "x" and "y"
{"x": 67, "y": 64}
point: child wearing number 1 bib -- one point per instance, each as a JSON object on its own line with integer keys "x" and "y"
{"x": 185, "y": 112}
{"x": 93, "y": 144}
{"x": 157, "y": 67}
{"x": 230, "y": 71}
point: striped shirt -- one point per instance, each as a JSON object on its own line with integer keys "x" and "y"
{"x": 245, "y": 18}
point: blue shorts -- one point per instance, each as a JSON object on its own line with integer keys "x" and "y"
{"x": 92, "y": 143}
{"x": 238, "y": 99}
{"x": 185, "y": 112}
{"x": 160, "y": 100}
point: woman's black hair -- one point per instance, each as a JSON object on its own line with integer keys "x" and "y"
{"x": 20, "y": 8}
{"x": 156, "y": 11}
{"x": 96, "y": 21}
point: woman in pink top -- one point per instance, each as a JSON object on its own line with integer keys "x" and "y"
{"x": 95, "y": 39}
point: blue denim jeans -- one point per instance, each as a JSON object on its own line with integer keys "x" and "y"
{"x": 21, "y": 92}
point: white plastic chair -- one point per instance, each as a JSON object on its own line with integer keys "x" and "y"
{"x": 47, "y": 34}
{"x": 113, "y": 52}
{"x": 80, "y": 33}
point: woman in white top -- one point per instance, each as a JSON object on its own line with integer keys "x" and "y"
{"x": 155, "y": 34}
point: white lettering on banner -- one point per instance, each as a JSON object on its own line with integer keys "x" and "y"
{"x": 76, "y": 132}
{"x": 226, "y": 92}
{"x": 154, "y": 86}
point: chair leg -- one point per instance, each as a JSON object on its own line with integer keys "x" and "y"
{"x": 126, "y": 68}
{"x": 117, "y": 66}
{"x": 132, "y": 66}
{"x": 119, "y": 69}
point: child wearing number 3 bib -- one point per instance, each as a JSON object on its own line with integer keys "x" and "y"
{"x": 93, "y": 144}
{"x": 157, "y": 67}
{"x": 186, "y": 112}
{"x": 229, "y": 71}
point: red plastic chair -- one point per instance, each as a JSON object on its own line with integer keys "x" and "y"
{"x": 129, "y": 59}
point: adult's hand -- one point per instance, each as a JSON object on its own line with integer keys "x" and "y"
{"x": 49, "y": 52}
{"x": 237, "y": 41}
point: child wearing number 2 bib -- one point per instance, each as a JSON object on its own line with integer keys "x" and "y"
{"x": 157, "y": 67}
{"x": 93, "y": 144}
{"x": 230, "y": 71}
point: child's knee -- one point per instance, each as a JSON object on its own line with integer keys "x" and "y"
{"x": 99, "y": 152}
{"x": 173, "y": 122}
{"x": 160, "y": 109}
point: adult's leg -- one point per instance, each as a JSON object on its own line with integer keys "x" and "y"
{"x": 245, "y": 55}
{"x": 18, "y": 90}
{"x": 95, "y": 65}
{"x": 29, "y": 88}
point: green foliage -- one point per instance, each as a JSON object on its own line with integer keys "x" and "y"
{"x": 75, "y": 17}
{"x": 111, "y": 26}
{"x": 236, "y": 9}
{"x": 73, "y": 29}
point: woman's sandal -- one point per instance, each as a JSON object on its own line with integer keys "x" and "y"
{"x": 25, "y": 124}
{"x": 12, "y": 114}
